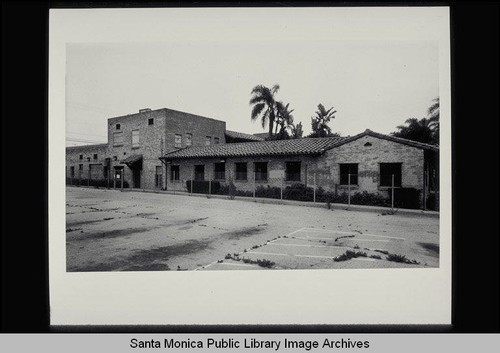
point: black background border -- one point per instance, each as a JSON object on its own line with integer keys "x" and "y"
{"x": 25, "y": 296}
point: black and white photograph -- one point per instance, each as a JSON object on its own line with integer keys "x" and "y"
{"x": 310, "y": 156}
{"x": 319, "y": 150}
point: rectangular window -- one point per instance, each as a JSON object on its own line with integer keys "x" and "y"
{"x": 387, "y": 170}
{"x": 117, "y": 126}
{"x": 199, "y": 172}
{"x": 292, "y": 171}
{"x": 260, "y": 171}
{"x": 208, "y": 140}
{"x": 174, "y": 172}
{"x": 151, "y": 121}
{"x": 135, "y": 139}
{"x": 241, "y": 171}
{"x": 95, "y": 155}
{"x": 81, "y": 156}
{"x": 347, "y": 169}
{"x": 216, "y": 140}
{"x": 220, "y": 171}
{"x": 178, "y": 140}
{"x": 117, "y": 138}
{"x": 189, "y": 139}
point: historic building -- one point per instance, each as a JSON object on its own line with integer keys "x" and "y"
{"x": 164, "y": 148}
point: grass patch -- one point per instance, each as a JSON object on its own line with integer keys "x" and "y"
{"x": 349, "y": 255}
{"x": 378, "y": 257}
{"x": 382, "y": 251}
{"x": 344, "y": 236}
{"x": 402, "y": 259}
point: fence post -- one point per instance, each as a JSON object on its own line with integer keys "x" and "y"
{"x": 191, "y": 183}
{"x": 114, "y": 178}
{"x": 254, "y": 175}
{"x": 121, "y": 177}
{"x": 281, "y": 189}
{"x": 348, "y": 190}
{"x": 314, "y": 188}
{"x": 88, "y": 180}
{"x": 392, "y": 191}
{"x": 209, "y": 187}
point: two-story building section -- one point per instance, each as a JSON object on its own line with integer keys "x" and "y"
{"x": 135, "y": 144}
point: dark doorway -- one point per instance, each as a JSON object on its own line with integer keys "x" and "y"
{"x": 136, "y": 177}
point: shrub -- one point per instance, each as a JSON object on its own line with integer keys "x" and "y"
{"x": 406, "y": 198}
{"x": 202, "y": 186}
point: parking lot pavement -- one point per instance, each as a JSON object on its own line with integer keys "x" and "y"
{"x": 108, "y": 230}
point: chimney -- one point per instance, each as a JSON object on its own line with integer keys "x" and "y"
{"x": 144, "y": 110}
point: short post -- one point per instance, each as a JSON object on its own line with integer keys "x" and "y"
{"x": 314, "y": 188}
{"x": 348, "y": 190}
{"x": 121, "y": 177}
{"x": 209, "y": 187}
{"x": 71, "y": 178}
{"x": 88, "y": 179}
{"x": 114, "y": 179}
{"x": 192, "y": 183}
{"x": 392, "y": 191}
{"x": 108, "y": 177}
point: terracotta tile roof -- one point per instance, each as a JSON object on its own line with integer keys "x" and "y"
{"x": 241, "y": 136}
{"x": 403, "y": 141}
{"x": 304, "y": 146}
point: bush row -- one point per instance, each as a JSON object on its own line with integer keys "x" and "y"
{"x": 404, "y": 198}
{"x": 103, "y": 183}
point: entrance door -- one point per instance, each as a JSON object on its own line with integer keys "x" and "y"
{"x": 136, "y": 176}
{"x": 199, "y": 172}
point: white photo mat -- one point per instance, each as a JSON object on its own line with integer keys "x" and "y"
{"x": 380, "y": 296}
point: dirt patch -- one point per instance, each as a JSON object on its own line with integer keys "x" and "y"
{"x": 146, "y": 260}
{"x": 116, "y": 233}
{"x": 432, "y": 249}
{"x": 162, "y": 253}
{"x": 81, "y": 223}
{"x": 243, "y": 233}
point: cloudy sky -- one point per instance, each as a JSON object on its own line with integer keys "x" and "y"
{"x": 375, "y": 84}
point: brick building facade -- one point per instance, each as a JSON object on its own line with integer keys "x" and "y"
{"x": 369, "y": 162}
{"x": 135, "y": 144}
{"x": 164, "y": 148}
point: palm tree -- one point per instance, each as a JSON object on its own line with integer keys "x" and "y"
{"x": 264, "y": 105}
{"x": 319, "y": 123}
{"x": 433, "y": 116}
{"x": 297, "y": 131}
{"x": 284, "y": 120}
{"x": 422, "y": 130}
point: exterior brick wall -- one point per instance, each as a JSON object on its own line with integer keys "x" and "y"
{"x": 368, "y": 159}
{"x": 154, "y": 141}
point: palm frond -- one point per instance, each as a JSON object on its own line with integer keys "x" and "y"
{"x": 256, "y": 110}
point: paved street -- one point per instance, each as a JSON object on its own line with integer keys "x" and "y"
{"x": 108, "y": 230}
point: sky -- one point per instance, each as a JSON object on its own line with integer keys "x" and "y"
{"x": 375, "y": 84}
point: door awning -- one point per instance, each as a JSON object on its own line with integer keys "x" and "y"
{"x": 133, "y": 159}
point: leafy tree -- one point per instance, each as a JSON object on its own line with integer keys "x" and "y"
{"x": 319, "y": 123}
{"x": 264, "y": 105}
{"x": 425, "y": 130}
